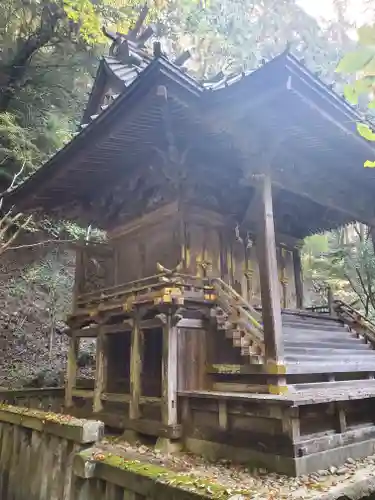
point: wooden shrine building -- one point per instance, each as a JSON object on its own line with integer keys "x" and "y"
{"x": 206, "y": 191}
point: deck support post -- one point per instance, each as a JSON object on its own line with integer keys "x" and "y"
{"x": 101, "y": 371}
{"x": 136, "y": 362}
{"x": 71, "y": 376}
{"x": 270, "y": 288}
{"x": 169, "y": 380}
{"x": 297, "y": 268}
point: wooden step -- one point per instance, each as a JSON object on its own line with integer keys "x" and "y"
{"x": 328, "y": 358}
{"x": 315, "y": 334}
{"x": 314, "y": 326}
{"x": 333, "y": 366}
{"x": 354, "y": 344}
{"x": 322, "y": 351}
{"x": 336, "y": 384}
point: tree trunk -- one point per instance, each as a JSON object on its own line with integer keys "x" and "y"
{"x": 50, "y": 17}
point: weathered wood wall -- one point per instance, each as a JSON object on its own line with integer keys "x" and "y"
{"x": 140, "y": 245}
{"x": 95, "y": 268}
{"x": 196, "y": 237}
{"x": 192, "y": 359}
{"x": 209, "y": 237}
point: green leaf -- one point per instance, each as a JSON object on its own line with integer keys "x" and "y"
{"x": 371, "y": 104}
{"x": 366, "y": 35}
{"x": 369, "y": 164}
{"x": 364, "y": 85}
{"x": 351, "y": 94}
{"x": 365, "y": 131}
{"x": 369, "y": 69}
{"x": 355, "y": 61}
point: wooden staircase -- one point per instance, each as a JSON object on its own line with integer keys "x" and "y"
{"x": 313, "y": 343}
{"x": 239, "y": 320}
{"x": 324, "y": 344}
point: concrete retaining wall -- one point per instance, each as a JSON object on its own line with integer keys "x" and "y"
{"x": 47, "y": 456}
{"x": 37, "y": 451}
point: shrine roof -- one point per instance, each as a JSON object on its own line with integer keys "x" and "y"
{"x": 280, "y": 115}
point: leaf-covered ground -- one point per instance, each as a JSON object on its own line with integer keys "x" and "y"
{"x": 238, "y": 481}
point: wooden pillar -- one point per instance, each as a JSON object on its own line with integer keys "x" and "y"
{"x": 78, "y": 275}
{"x": 298, "y": 279}
{"x": 71, "y": 375}
{"x": 136, "y": 360}
{"x": 101, "y": 371}
{"x": 340, "y": 417}
{"x": 269, "y": 281}
{"x": 330, "y": 301}
{"x": 169, "y": 373}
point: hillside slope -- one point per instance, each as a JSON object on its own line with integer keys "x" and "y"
{"x": 35, "y": 297}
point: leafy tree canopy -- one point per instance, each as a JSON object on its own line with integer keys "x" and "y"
{"x": 360, "y": 65}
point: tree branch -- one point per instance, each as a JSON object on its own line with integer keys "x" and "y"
{"x": 40, "y": 243}
{"x": 50, "y": 17}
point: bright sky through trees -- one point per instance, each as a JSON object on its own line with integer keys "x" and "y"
{"x": 324, "y": 10}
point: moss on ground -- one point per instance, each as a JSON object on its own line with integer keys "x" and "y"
{"x": 186, "y": 482}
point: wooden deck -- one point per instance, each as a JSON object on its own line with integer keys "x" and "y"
{"x": 298, "y": 433}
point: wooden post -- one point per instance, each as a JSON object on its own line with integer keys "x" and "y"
{"x": 71, "y": 375}
{"x": 169, "y": 373}
{"x": 298, "y": 280}
{"x": 101, "y": 371}
{"x": 330, "y": 301}
{"x": 340, "y": 417}
{"x": 78, "y": 276}
{"x": 269, "y": 282}
{"x": 136, "y": 360}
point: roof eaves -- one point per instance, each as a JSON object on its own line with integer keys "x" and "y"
{"x": 100, "y": 75}
{"x": 174, "y": 72}
{"x": 111, "y": 113}
{"x": 105, "y": 121}
{"x": 350, "y": 114}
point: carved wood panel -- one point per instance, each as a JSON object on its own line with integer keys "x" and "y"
{"x": 97, "y": 268}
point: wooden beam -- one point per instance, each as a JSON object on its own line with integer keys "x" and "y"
{"x": 136, "y": 361}
{"x": 269, "y": 281}
{"x": 252, "y": 211}
{"x": 169, "y": 373}
{"x": 298, "y": 279}
{"x": 101, "y": 371}
{"x": 71, "y": 375}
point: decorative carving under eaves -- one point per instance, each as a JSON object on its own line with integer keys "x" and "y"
{"x": 98, "y": 268}
{"x": 141, "y": 191}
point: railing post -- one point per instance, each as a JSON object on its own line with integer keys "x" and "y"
{"x": 298, "y": 279}
{"x": 330, "y": 301}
